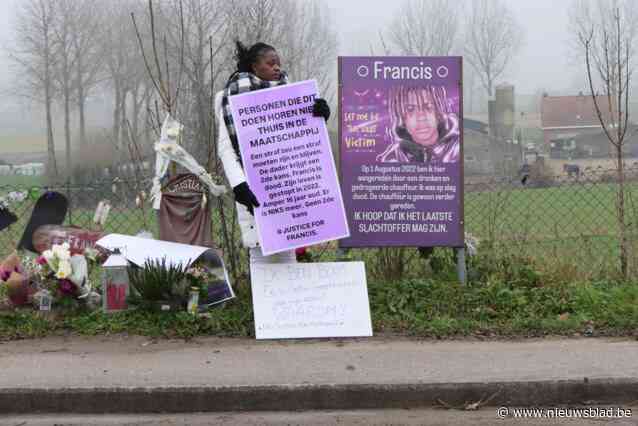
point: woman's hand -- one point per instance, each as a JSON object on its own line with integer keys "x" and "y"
{"x": 245, "y": 197}
{"x": 321, "y": 109}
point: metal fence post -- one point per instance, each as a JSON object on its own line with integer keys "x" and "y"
{"x": 461, "y": 267}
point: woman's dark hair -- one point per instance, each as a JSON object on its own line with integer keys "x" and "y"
{"x": 247, "y": 57}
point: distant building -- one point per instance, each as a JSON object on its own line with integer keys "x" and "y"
{"x": 506, "y": 151}
{"x": 476, "y": 148}
{"x": 571, "y": 127}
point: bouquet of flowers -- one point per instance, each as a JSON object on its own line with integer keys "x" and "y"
{"x": 64, "y": 275}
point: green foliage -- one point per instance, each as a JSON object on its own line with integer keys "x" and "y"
{"x": 438, "y": 308}
{"x": 158, "y": 281}
{"x": 506, "y": 296}
{"x": 513, "y": 268}
{"x": 420, "y": 307}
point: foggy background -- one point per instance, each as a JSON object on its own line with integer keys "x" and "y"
{"x": 542, "y": 63}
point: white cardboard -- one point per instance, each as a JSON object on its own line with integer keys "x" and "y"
{"x": 137, "y": 250}
{"x": 310, "y": 300}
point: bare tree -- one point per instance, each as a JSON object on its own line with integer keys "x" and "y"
{"x": 123, "y": 63}
{"x": 606, "y": 39}
{"x": 587, "y": 14}
{"x": 63, "y": 30}
{"x": 301, "y": 31}
{"x": 34, "y": 55}
{"x": 88, "y": 56}
{"x": 260, "y": 20}
{"x": 425, "y": 27}
{"x": 493, "y": 37}
{"x": 204, "y": 48}
{"x": 310, "y": 46}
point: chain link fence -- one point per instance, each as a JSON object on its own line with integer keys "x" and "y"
{"x": 559, "y": 222}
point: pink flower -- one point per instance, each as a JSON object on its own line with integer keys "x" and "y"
{"x": 41, "y": 260}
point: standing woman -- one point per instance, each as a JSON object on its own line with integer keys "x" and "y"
{"x": 258, "y": 67}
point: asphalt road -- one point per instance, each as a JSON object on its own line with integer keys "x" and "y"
{"x": 486, "y": 416}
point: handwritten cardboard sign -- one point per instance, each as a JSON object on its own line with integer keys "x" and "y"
{"x": 310, "y": 300}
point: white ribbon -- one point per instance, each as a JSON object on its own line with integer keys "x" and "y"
{"x": 167, "y": 150}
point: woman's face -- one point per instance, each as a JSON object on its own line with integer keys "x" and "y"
{"x": 420, "y": 119}
{"x": 268, "y": 66}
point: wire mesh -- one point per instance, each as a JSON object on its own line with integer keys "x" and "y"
{"x": 557, "y": 221}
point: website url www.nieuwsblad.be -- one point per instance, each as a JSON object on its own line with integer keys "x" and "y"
{"x": 565, "y": 413}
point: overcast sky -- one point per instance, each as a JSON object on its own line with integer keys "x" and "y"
{"x": 541, "y": 63}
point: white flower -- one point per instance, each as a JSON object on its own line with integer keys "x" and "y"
{"x": 61, "y": 251}
{"x": 64, "y": 269}
{"x": 49, "y": 257}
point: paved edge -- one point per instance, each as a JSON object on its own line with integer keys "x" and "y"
{"x": 314, "y": 397}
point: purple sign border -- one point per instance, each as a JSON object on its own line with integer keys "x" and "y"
{"x": 349, "y": 243}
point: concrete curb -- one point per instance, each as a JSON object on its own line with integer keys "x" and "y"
{"x": 313, "y": 397}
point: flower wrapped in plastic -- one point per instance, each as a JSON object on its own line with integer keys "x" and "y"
{"x": 66, "y": 276}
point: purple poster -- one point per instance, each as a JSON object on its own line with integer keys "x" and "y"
{"x": 401, "y": 156}
{"x": 289, "y": 166}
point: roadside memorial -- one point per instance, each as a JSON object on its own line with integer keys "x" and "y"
{"x": 307, "y": 300}
{"x": 161, "y": 273}
{"x": 57, "y": 273}
{"x": 289, "y": 167}
{"x": 401, "y": 152}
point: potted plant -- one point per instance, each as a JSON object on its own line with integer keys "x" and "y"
{"x": 158, "y": 285}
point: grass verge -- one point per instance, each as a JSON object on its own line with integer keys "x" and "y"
{"x": 422, "y": 308}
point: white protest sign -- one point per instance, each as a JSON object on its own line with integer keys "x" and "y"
{"x": 310, "y": 300}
